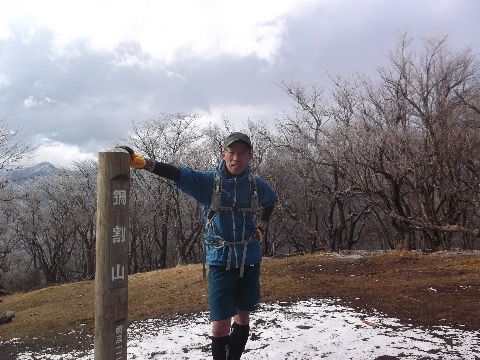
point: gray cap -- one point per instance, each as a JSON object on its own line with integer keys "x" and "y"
{"x": 237, "y": 136}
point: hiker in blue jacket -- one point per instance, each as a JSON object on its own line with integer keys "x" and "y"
{"x": 230, "y": 197}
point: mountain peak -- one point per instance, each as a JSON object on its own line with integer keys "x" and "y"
{"x": 43, "y": 168}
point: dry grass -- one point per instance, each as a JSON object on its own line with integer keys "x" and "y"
{"x": 434, "y": 289}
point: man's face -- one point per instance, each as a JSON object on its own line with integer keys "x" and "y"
{"x": 237, "y": 157}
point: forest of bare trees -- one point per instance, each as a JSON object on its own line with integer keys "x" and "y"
{"x": 375, "y": 163}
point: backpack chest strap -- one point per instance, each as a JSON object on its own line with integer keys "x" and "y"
{"x": 216, "y": 203}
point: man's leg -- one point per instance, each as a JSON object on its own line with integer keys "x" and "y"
{"x": 221, "y": 348}
{"x": 239, "y": 334}
{"x": 225, "y": 291}
{"x": 221, "y": 299}
{"x": 247, "y": 298}
{"x": 221, "y": 339}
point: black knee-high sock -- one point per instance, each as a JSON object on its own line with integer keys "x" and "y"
{"x": 220, "y": 347}
{"x": 238, "y": 340}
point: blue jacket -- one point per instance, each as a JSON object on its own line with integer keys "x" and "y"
{"x": 227, "y": 224}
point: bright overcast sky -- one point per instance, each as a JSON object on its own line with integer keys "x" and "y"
{"x": 75, "y": 74}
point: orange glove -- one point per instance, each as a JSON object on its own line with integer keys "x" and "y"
{"x": 259, "y": 234}
{"x": 260, "y": 230}
{"x": 136, "y": 161}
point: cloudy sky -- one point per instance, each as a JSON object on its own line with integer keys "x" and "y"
{"x": 75, "y": 74}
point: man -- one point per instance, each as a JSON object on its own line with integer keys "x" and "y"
{"x": 229, "y": 197}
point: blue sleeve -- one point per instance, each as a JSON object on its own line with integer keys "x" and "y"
{"x": 198, "y": 184}
{"x": 266, "y": 195}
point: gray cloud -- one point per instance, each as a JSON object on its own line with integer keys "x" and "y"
{"x": 89, "y": 99}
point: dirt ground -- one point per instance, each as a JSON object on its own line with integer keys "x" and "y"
{"x": 438, "y": 289}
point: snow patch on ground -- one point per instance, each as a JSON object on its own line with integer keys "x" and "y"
{"x": 314, "y": 329}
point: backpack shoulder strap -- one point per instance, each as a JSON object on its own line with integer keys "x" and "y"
{"x": 216, "y": 196}
{"x": 253, "y": 188}
{"x": 216, "y": 203}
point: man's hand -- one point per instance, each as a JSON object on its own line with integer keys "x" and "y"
{"x": 136, "y": 161}
{"x": 260, "y": 231}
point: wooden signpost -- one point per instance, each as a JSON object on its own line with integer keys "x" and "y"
{"x": 111, "y": 282}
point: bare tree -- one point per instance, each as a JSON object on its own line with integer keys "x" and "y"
{"x": 411, "y": 142}
{"x": 83, "y": 200}
{"x": 55, "y": 225}
{"x": 320, "y": 198}
{"x": 12, "y": 151}
{"x": 173, "y": 218}
{"x": 8, "y": 243}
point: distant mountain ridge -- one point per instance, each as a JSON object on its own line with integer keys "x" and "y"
{"x": 30, "y": 172}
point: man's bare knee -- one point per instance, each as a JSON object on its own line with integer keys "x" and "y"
{"x": 242, "y": 317}
{"x": 221, "y": 327}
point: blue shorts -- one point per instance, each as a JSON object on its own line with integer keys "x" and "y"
{"x": 227, "y": 291}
